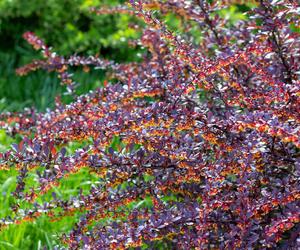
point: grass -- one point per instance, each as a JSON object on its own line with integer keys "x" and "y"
{"x": 38, "y": 89}
{"x": 42, "y": 232}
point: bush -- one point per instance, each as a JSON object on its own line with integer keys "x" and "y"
{"x": 197, "y": 146}
{"x": 74, "y": 30}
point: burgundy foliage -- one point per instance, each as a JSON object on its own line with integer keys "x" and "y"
{"x": 213, "y": 124}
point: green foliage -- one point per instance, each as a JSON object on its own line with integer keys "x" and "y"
{"x": 42, "y": 232}
{"x": 69, "y": 27}
{"x": 39, "y": 88}
{"x": 5, "y": 141}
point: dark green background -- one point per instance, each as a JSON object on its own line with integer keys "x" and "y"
{"x": 68, "y": 27}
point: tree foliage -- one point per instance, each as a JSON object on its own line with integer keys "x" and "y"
{"x": 196, "y": 146}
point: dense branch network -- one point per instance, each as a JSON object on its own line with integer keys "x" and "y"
{"x": 213, "y": 125}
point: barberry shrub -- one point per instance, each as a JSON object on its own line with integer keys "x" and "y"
{"x": 194, "y": 147}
